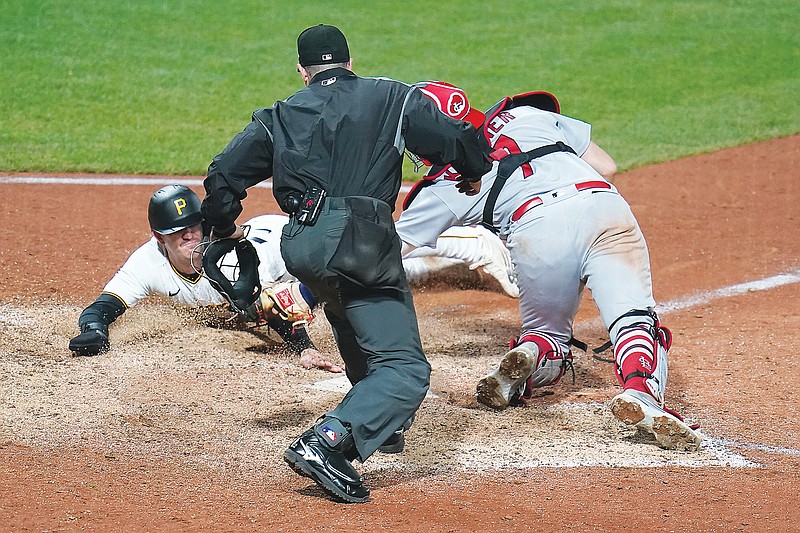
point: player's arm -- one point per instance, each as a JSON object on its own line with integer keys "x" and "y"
{"x": 246, "y": 161}
{"x": 600, "y": 161}
{"x": 579, "y": 134}
{"x": 93, "y": 323}
{"x": 287, "y": 307}
{"x": 297, "y": 339}
{"x": 129, "y": 285}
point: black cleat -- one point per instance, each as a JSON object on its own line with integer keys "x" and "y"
{"x": 395, "y": 443}
{"x": 329, "y": 468}
{"x": 397, "y": 440}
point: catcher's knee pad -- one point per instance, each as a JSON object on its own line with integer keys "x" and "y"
{"x": 640, "y": 354}
{"x": 552, "y": 361}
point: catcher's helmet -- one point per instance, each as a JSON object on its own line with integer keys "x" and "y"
{"x": 452, "y": 101}
{"x": 173, "y": 208}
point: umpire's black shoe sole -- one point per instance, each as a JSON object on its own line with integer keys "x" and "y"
{"x": 311, "y": 462}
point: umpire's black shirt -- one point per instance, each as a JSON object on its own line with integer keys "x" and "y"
{"x": 343, "y": 133}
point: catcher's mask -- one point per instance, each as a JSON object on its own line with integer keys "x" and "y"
{"x": 173, "y": 208}
{"x": 234, "y": 276}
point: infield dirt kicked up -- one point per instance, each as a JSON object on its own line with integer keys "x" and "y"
{"x": 181, "y": 426}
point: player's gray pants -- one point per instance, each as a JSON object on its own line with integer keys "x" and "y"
{"x": 591, "y": 239}
{"x": 375, "y": 329}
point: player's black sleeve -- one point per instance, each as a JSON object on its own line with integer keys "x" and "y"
{"x": 104, "y": 310}
{"x": 246, "y": 161}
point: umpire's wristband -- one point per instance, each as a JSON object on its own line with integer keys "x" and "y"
{"x": 224, "y": 232}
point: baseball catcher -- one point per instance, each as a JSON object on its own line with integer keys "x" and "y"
{"x": 550, "y": 195}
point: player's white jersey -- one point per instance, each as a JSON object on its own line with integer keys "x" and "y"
{"x": 148, "y": 271}
{"x": 516, "y": 130}
{"x": 265, "y": 234}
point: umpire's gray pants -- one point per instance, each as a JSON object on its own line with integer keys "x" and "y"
{"x": 375, "y": 329}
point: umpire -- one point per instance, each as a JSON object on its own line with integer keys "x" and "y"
{"x": 334, "y": 150}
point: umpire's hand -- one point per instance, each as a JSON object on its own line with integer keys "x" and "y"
{"x": 470, "y": 188}
{"x": 238, "y": 234}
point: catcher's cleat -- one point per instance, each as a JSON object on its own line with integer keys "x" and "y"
{"x": 329, "y": 468}
{"x": 496, "y": 262}
{"x": 641, "y": 409}
{"x": 497, "y": 389}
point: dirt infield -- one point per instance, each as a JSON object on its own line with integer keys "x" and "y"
{"x": 181, "y": 427}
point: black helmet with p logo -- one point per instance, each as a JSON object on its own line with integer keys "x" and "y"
{"x": 173, "y": 208}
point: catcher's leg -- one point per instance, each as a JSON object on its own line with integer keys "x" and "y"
{"x": 535, "y": 360}
{"x": 640, "y": 353}
{"x": 550, "y": 289}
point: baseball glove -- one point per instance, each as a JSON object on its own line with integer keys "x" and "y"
{"x": 243, "y": 287}
{"x": 286, "y": 300}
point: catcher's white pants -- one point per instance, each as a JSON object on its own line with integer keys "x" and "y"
{"x": 589, "y": 239}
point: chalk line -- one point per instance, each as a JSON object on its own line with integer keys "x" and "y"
{"x": 779, "y": 450}
{"x": 702, "y": 298}
{"x": 122, "y": 180}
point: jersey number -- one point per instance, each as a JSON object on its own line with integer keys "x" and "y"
{"x": 510, "y": 145}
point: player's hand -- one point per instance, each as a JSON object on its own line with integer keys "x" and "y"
{"x": 237, "y": 234}
{"x": 90, "y": 342}
{"x": 311, "y": 358}
{"x": 470, "y": 188}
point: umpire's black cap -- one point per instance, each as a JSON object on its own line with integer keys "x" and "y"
{"x": 321, "y": 45}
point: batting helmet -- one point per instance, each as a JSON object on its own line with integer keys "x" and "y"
{"x": 173, "y": 208}
{"x": 452, "y": 101}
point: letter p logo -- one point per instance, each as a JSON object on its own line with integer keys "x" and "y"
{"x": 180, "y": 203}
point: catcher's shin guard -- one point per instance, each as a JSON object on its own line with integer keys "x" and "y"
{"x": 640, "y": 355}
{"x": 535, "y": 360}
{"x": 641, "y": 364}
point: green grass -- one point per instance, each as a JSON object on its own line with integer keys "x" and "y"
{"x": 160, "y": 87}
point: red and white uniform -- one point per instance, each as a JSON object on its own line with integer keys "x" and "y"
{"x": 575, "y": 235}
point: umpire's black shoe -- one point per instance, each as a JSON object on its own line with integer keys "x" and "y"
{"x": 309, "y": 457}
{"x": 395, "y": 443}
{"x": 397, "y": 440}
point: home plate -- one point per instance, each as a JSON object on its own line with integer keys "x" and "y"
{"x": 342, "y": 384}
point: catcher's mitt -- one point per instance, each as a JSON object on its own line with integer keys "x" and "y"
{"x": 286, "y": 300}
{"x": 243, "y": 286}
